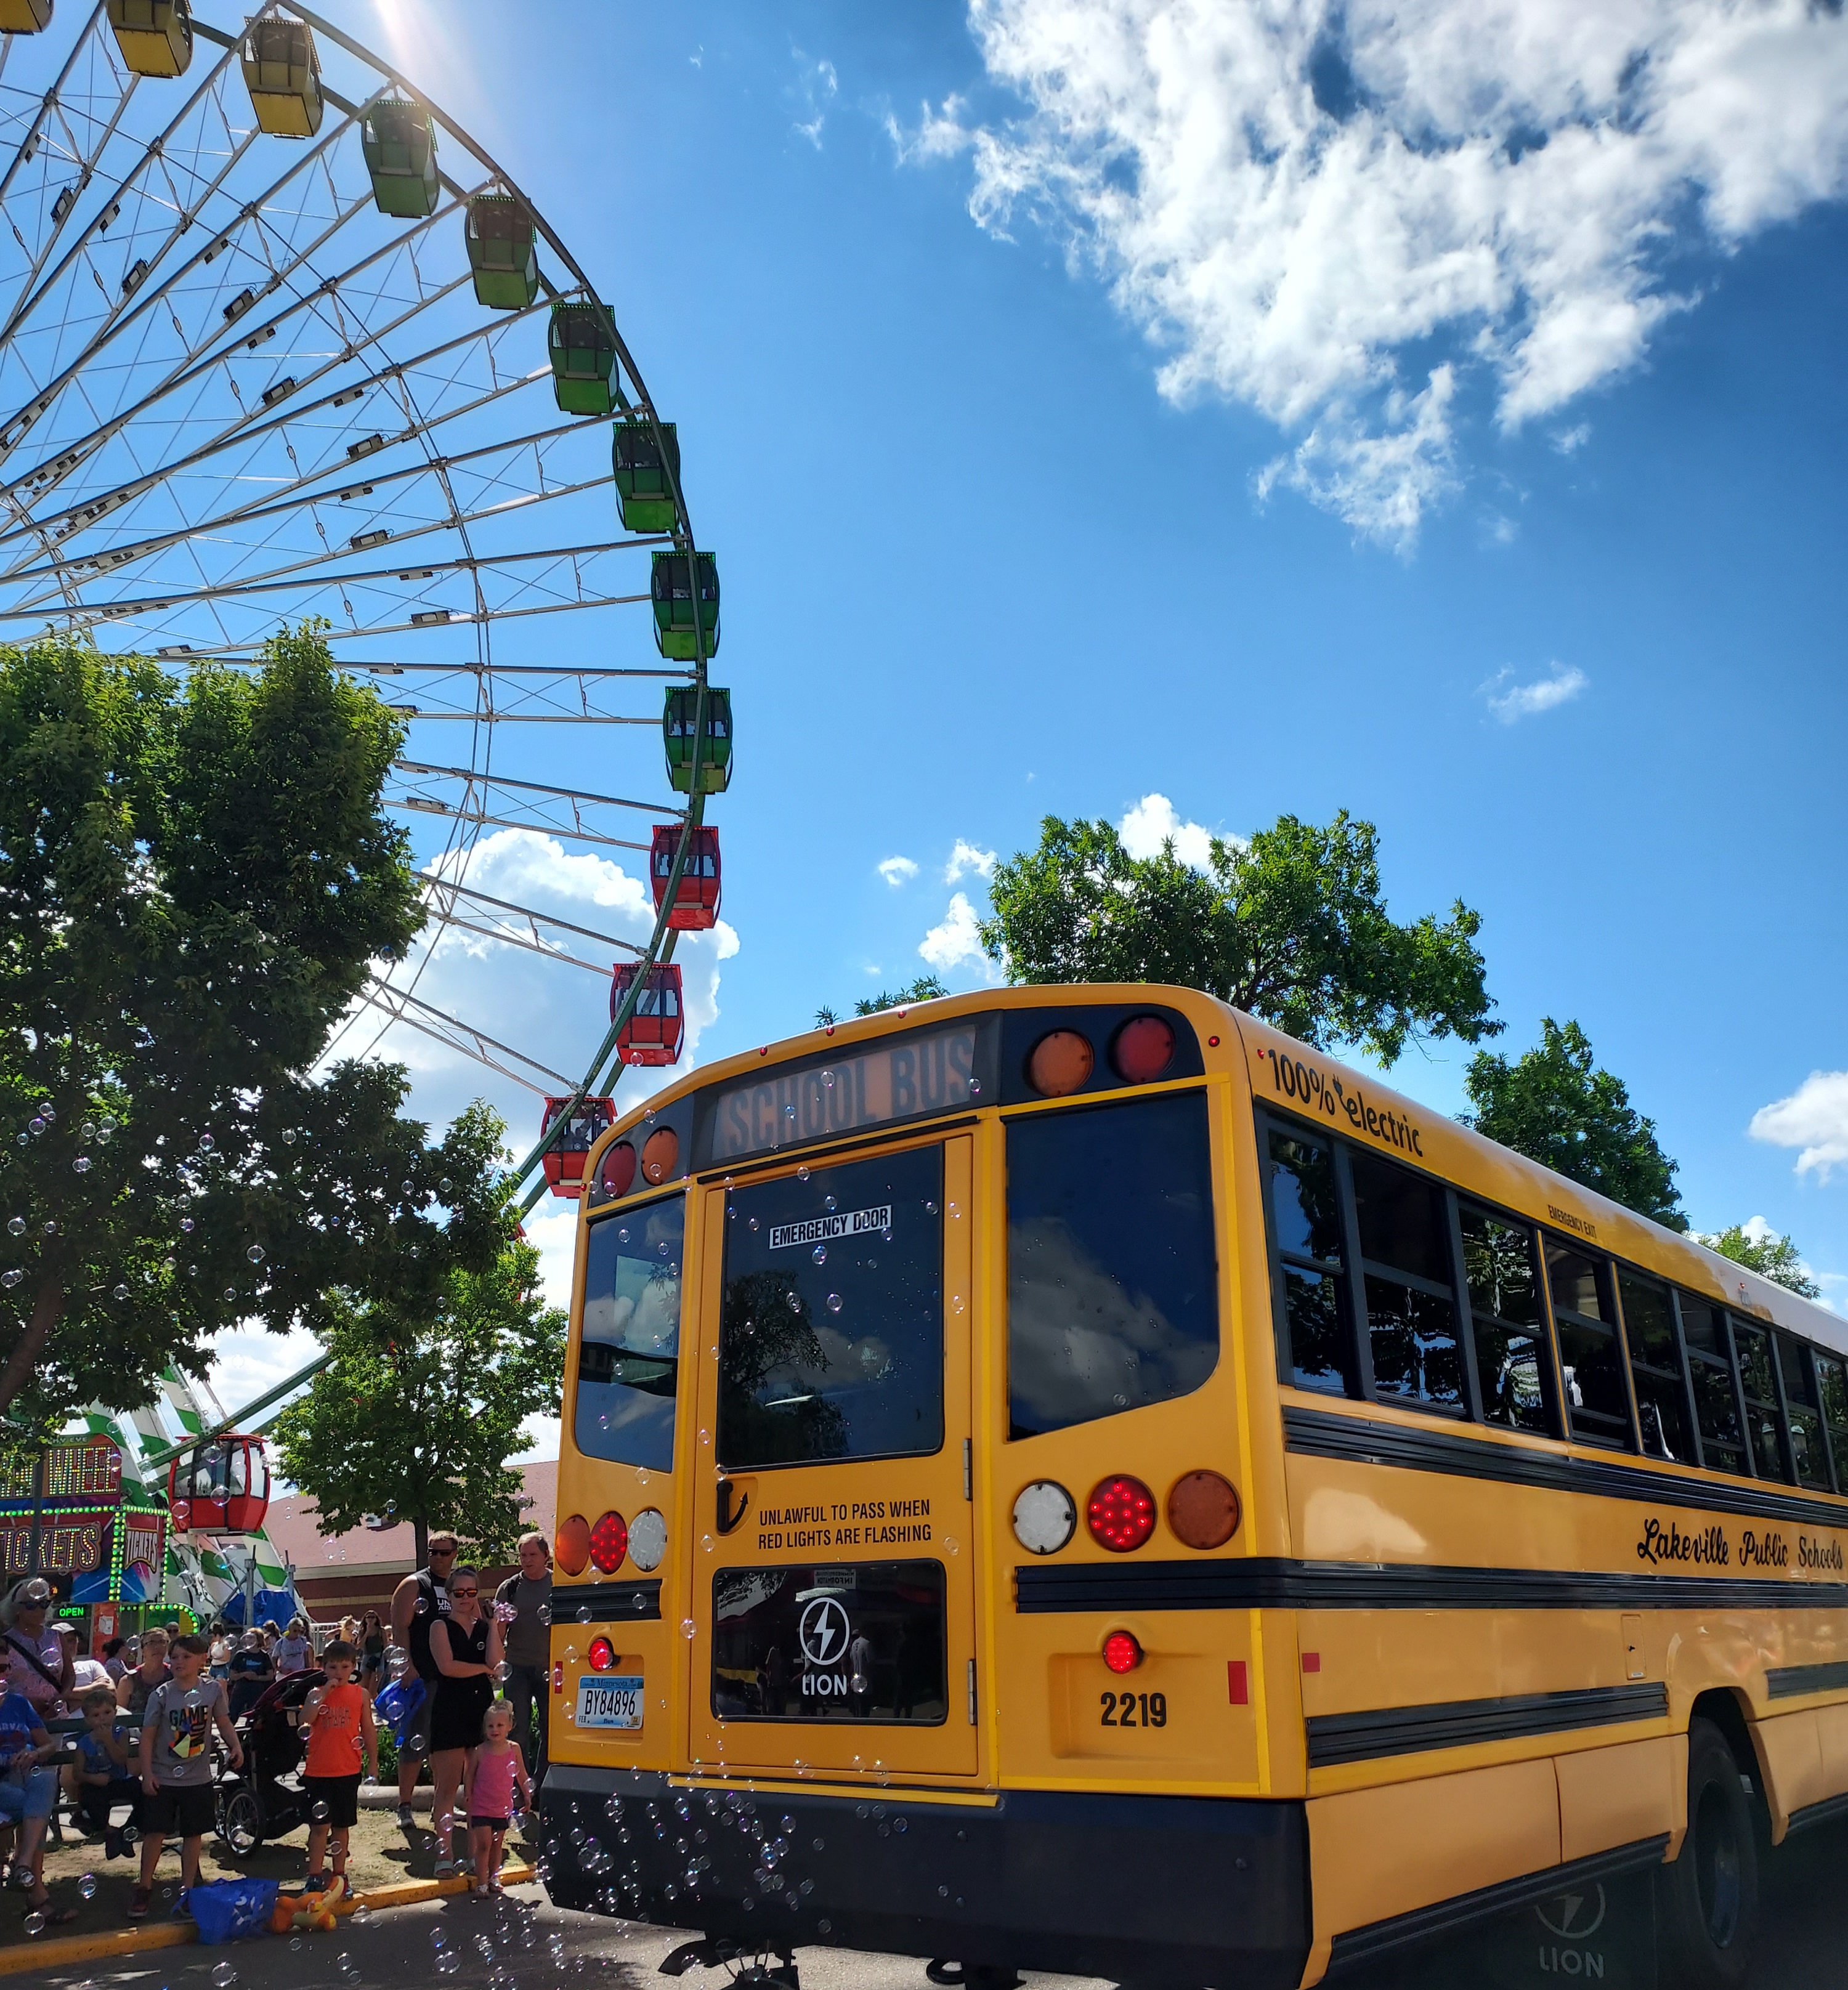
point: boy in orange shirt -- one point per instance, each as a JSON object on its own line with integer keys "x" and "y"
{"x": 341, "y": 1731}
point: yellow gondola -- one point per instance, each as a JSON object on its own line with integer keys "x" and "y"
{"x": 155, "y": 36}
{"x": 282, "y": 75}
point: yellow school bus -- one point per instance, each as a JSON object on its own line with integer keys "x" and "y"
{"x": 1071, "y": 1479}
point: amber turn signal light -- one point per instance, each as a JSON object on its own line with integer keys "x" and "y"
{"x": 661, "y": 1156}
{"x": 1059, "y": 1063}
{"x": 1203, "y": 1510}
{"x": 571, "y": 1544}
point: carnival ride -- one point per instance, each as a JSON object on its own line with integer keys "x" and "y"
{"x": 281, "y": 341}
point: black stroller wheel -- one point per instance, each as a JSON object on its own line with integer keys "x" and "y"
{"x": 240, "y": 1824}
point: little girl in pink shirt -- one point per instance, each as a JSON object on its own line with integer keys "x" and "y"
{"x": 495, "y": 1771}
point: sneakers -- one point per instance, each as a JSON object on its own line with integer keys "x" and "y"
{"x": 139, "y": 1902}
{"x": 406, "y": 1816}
{"x": 316, "y": 1882}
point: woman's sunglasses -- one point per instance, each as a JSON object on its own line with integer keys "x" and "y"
{"x": 465, "y": 1592}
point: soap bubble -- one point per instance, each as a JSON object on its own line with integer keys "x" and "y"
{"x": 35, "y": 1125}
{"x": 448, "y": 1963}
{"x": 320, "y": 1813}
{"x": 121, "y": 1292}
{"x": 15, "y": 1226}
{"x": 820, "y": 1254}
{"x": 833, "y": 1302}
{"x": 295, "y": 1943}
{"x": 10, "y": 1278}
{"x": 687, "y": 1628}
{"x": 827, "y": 1203}
{"x": 288, "y": 1136}
{"x": 230, "y": 1294}
{"x": 87, "y": 1887}
{"x": 255, "y": 1254}
{"x": 802, "y": 1173}
{"x": 752, "y": 1224}
{"x": 544, "y": 1613}
{"x": 49, "y": 1227}
{"x": 205, "y": 1143}
{"x": 82, "y": 1164}
{"x": 224, "y": 1976}
{"x": 35, "y": 1923}
{"x": 186, "y": 1224}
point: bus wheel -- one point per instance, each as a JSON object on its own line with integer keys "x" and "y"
{"x": 1709, "y": 1895}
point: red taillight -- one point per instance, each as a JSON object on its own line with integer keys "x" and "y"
{"x": 617, "y": 1174}
{"x": 609, "y": 1543}
{"x": 1121, "y": 1514}
{"x": 602, "y": 1655}
{"x": 1122, "y": 1653}
{"x": 1143, "y": 1050}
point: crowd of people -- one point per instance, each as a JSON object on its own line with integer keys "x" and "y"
{"x": 469, "y": 1704}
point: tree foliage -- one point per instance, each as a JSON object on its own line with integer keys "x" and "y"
{"x": 194, "y": 880}
{"x": 926, "y": 988}
{"x": 1760, "y": 1249}
{"x": 1291, "y": 926}
{"x": 1554, "y": 1105}
{"x": 427, "y": 1397}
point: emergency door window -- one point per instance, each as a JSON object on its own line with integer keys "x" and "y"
{"x": 830, "y": 1336}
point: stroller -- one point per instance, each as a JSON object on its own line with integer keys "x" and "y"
{"x": 265, "y": 1799}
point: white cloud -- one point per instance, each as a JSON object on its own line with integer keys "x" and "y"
{"x": 954, "y": 940}
{"x": 1336, "y": 214}
{"x": 818, "y": 87}
{"x": 897, "y": 871}
{"x": 1814, "y": 1119}
{"x": 1154, "y": 821}
{"x": 1511, "y": 702}
{"x": 967, "y": 858}
{"x": 1569, "y": 442}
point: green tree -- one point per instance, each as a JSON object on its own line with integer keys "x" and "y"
{"x": 1291, "y": 926}
{"x": 424, "y": 1402}
{"x": 926, "y": 988}
{"x": 194, "y": 880}
{"x": 1771, "y": 1256}
{"x": 1554, "y": 1105}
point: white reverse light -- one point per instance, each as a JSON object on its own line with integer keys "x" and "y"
{"x": 1045, "y": 1516}
{"x": 648, "y": 1539}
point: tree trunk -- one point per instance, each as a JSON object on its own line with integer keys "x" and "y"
{"x": 420, "y": 1527}
{"x": 48, "y": 1309}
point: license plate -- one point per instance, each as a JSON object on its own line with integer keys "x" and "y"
{"x": 610, "y": 1702}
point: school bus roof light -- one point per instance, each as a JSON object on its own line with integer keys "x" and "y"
{"x": 571, "y": 1544}
{"x": 1122, "y": 1653}
{"x": 617, "y": 1174}
{"x": 609, "y": 1543}
{"x": 1144, "y": 1049}
{"x": 1060, "y": 1062}
{"x": 1120, "y": 1513}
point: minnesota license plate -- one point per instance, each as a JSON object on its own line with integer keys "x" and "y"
{"x": 616, "y": 1702}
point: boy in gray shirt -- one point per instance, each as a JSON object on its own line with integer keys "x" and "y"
{"x": 174, "y": 1763}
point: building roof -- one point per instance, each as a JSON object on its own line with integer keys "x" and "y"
{"x": 294, "y": 1526}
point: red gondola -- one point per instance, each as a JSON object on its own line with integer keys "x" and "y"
{"x": 696, "y": 901}
{"x": 565, "y": 1157}
{"x": 655, "y": 1032}
{"x": 220, "y": 1486}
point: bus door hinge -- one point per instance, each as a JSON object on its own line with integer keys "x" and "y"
{"x": 972, "y": 1692}
{"x": 969, "y": 1468}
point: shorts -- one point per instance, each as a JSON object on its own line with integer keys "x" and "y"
{"x": 341, "y": 1794}
{"x": 487, "y": 1823}
{"x": 416, "y": 1744}
{"x": 180, "y": 1810}
{"x": 31, "y": 1797}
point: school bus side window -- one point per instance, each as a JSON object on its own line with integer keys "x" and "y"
{"x": 1648, "y": 1326}
{"x": 1403, "y": 1229}
{"x": 1305, "y": 1218}
{"x": 1763, "y": 1423}
{"x": 1806, "y": 1453}
{"x": 629, "y": 1360}
{"x": 1709, "y": 1362}
{"x": 1113, "y": 1271}
{"x": 1832, "y": 1377}
{"x": 1590, "y": 1360}
{"x": 1512, "y": 1363}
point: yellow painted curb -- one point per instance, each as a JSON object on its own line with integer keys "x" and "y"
{"x": 17, "y": 1956}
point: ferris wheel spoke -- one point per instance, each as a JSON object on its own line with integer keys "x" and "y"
{"x": 447, "y": 902}
{"x": 403, "y": 1006}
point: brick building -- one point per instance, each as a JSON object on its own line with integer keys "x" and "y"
{"x": 340, "y": 1575}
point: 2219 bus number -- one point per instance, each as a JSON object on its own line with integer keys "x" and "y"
{"x": 1133, "y": 1709}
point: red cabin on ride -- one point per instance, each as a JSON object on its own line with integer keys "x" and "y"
{"x": 696, "y": 900}
{"x": 565, "y": 1157}
{"x": 656, "y": 1031}
{"x": 220, "y": 1486}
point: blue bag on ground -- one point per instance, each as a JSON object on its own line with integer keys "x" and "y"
{"x": 397, "y": 1704}
{"x": 229, "y": 1909}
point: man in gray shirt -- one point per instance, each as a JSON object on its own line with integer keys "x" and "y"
{"x": 523, "y": 1603}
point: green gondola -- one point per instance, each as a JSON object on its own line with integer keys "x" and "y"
{"x": 503, "y": 252}
{"x": 400, "y": 149}
{"x": 673, "y": 597}
{"x": 642, "y": 486}
{"x": 677, "y": 728}
{"x": 584, "y": 358}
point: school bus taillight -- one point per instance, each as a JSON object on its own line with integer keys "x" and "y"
{"x": 1143, "y": 1050}
{"x": 1203, "y": 1510}
{"x": 609, "y": 1543}
{"x": 1122, "y": 1653}
{"x": 571, "y": 1544}
{"x": 1120, "y": 1513}
{"x": 617, "y": 1173}
{"x": 602, "y": 1655}
{"x": 1060, "y": 1063}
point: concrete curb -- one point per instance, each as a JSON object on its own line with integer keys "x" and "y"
{"x": 16, "y": 1957}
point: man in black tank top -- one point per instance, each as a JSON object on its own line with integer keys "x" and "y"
{"x": 416, "y": 1603}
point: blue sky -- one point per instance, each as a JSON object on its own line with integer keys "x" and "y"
{"x": 1088, "y": 405}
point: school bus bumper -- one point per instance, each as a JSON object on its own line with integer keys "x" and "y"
{"x": 1147, "y": 1890}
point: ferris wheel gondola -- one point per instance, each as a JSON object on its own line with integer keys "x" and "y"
{"x": 279, "y": 339}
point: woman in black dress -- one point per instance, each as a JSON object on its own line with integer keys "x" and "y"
{"x": 465, "y": 1644}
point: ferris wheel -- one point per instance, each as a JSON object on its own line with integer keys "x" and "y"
{"x": 279, "y": 340}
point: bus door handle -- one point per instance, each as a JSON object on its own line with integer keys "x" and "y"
{"x": 729, "y": 1519}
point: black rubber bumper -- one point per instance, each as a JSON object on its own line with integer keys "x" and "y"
{"x": 1158, "y": 1891}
